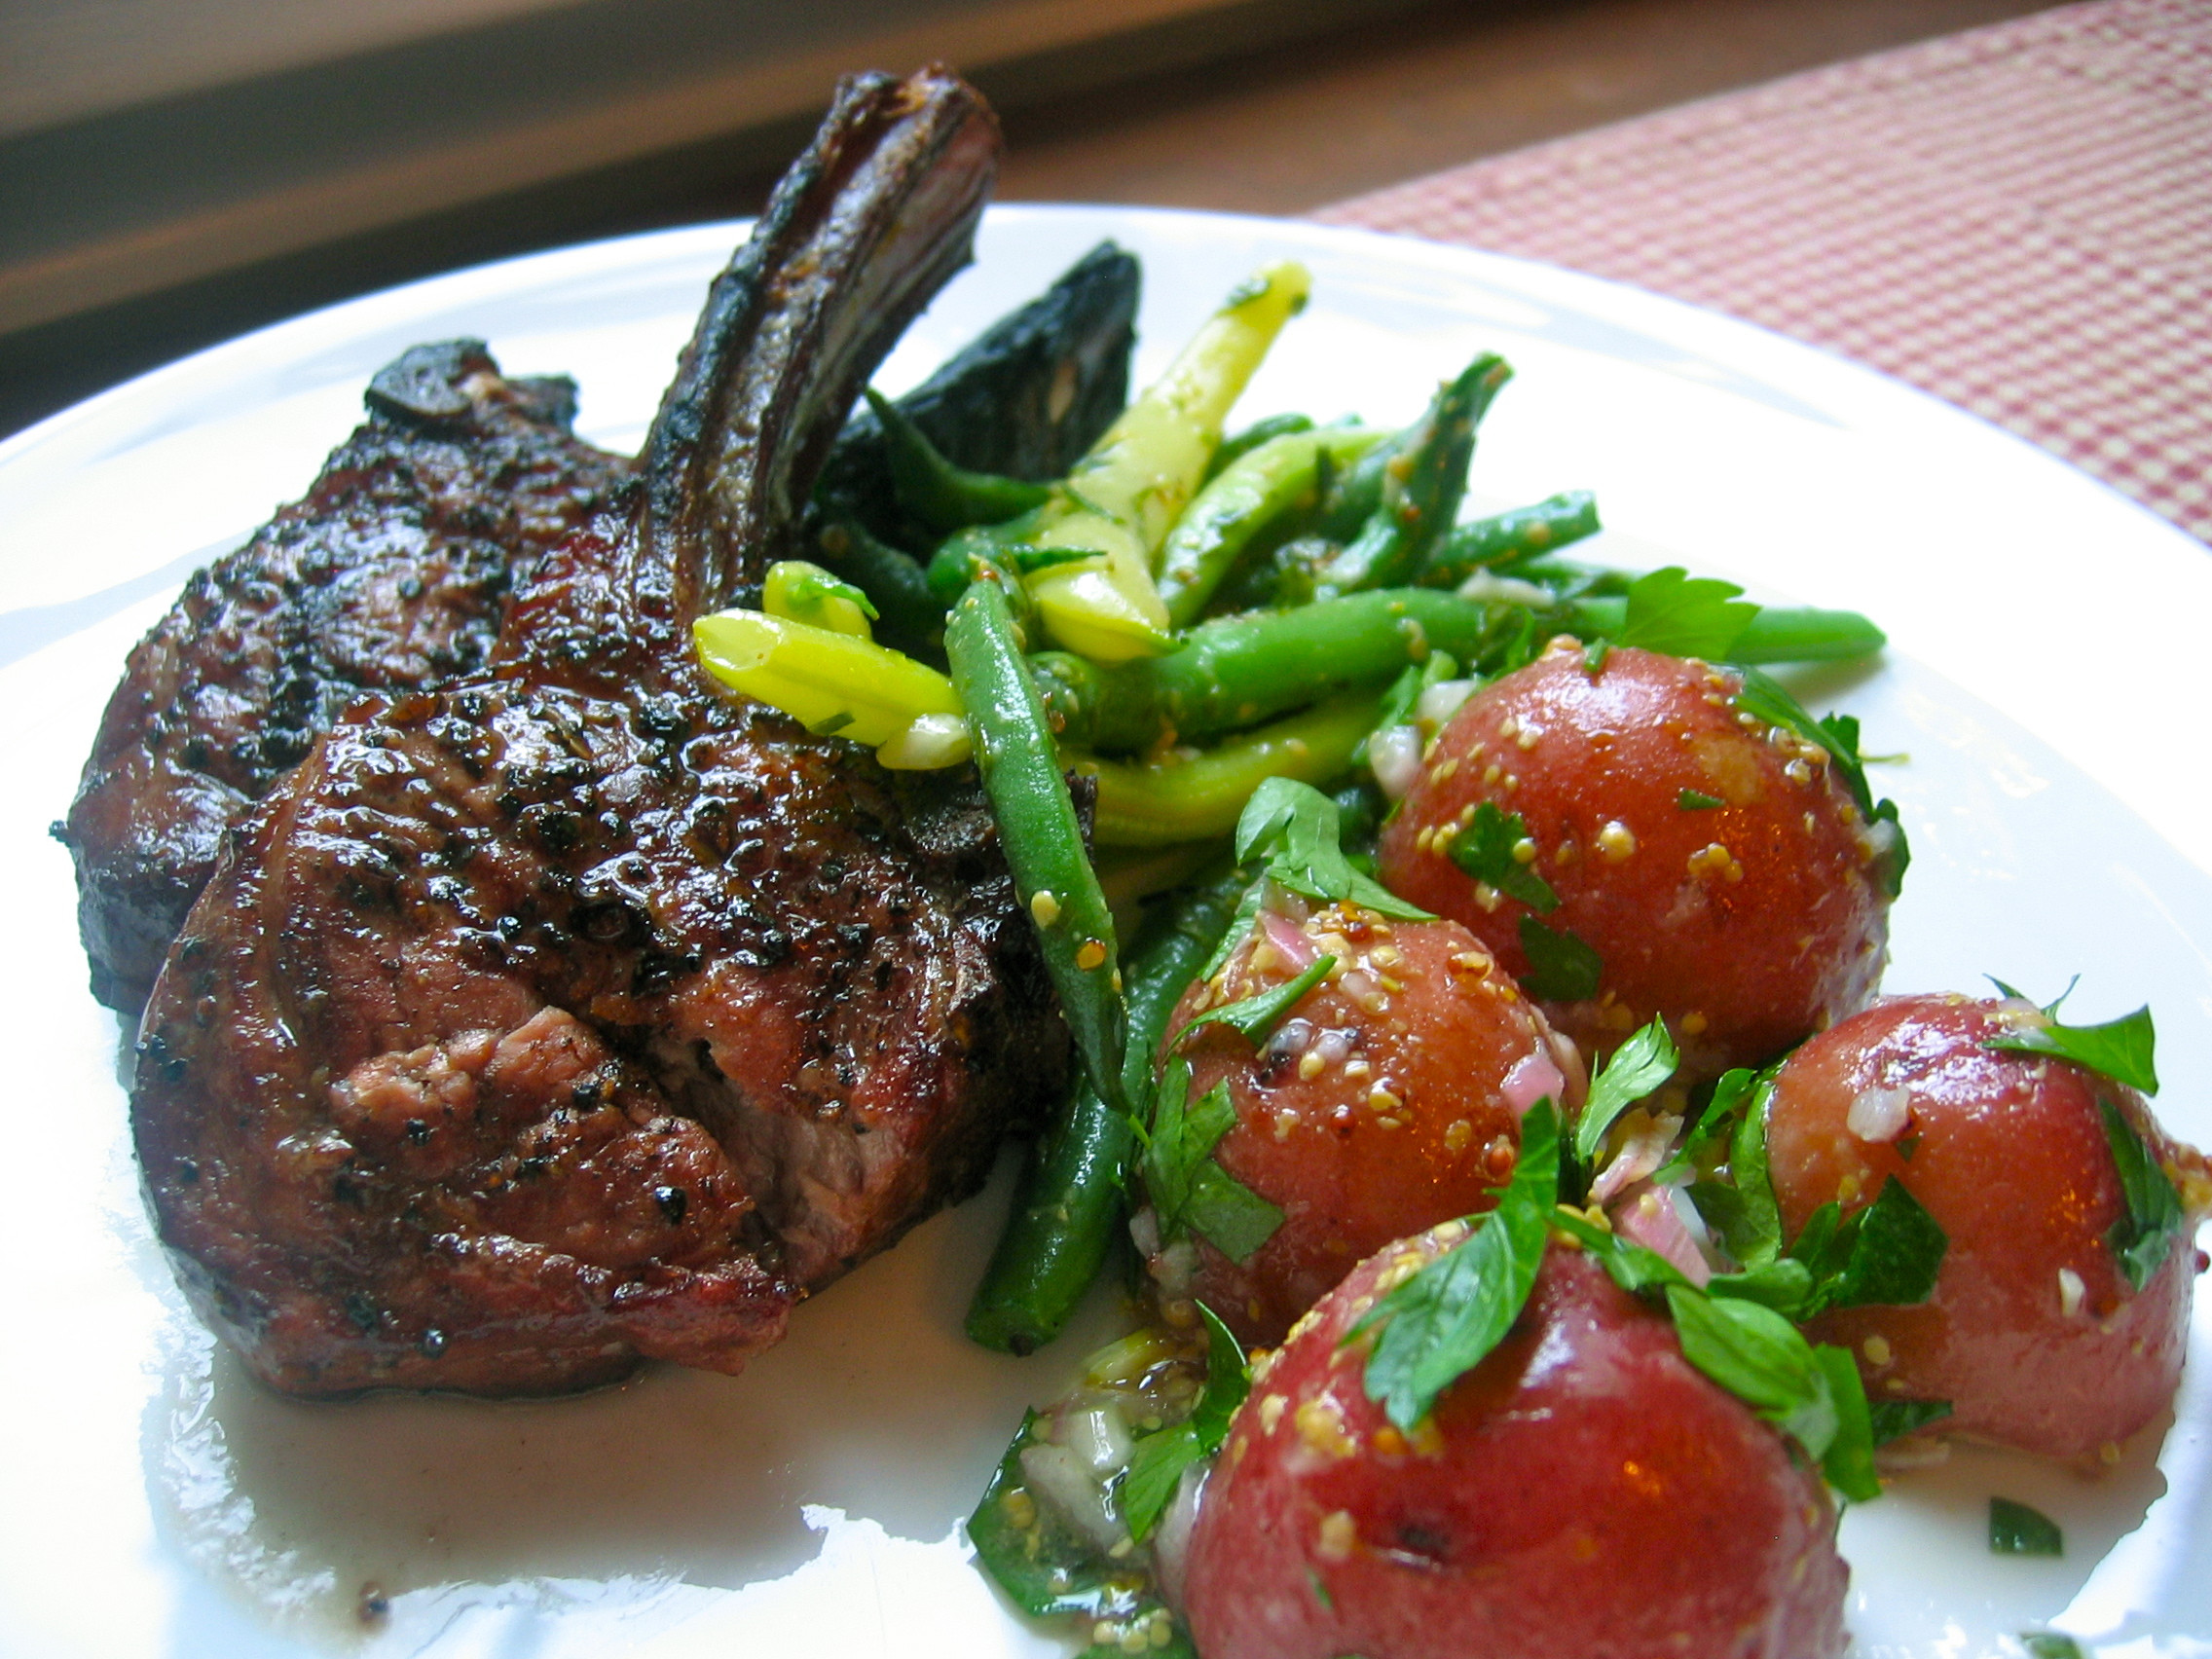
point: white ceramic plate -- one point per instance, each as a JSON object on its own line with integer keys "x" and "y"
{"x": 156, "y": 1503}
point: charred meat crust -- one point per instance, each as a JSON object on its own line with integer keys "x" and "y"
{"x": 393, "y": 571}
{"x": 576, "y": 1014}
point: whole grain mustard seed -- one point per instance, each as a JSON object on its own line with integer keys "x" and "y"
{"x": 1339, "y": 1535}
{"x": 1089, "y": 954}
{"x": 1043, "y": 906}
{"x": 1524, "y": 851}
{"x": 1616, "y": 841}
{"x": 1714, "y": 859}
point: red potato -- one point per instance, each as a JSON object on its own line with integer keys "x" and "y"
{"x": 1582, "y": 1493}
{"x": 1389, "y": 1101}
{"x": 1748, "y": 925}
{"x": 2033, "y": 1333}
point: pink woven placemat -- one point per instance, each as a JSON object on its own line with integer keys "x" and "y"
{"x": 2017, "y": 219}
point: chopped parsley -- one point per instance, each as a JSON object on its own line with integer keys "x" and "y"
{"x": 1156, "y": 1466}
{"x": 1638, "y": 1066}
{"x": 1440, "y": 1323}
{"x": 1894, "y": 1419}
{"x": 1673, "y": 612}
{"x": 1255, "y": 1017}
{"x": 1887, "y": 1253}
{"x": 1561, "y": 967}
{"x": 1697, "y": 800}
{"x": 2141, "y": 1239}
{"x": 1295, "y": 832}
{"x": 1486, "y": 850}
{"x": 1764, "y": 698}
{"x": 2017, "y": 1529}
{"x": 2123, "y": 1050}
{"x": 1187, "y": 1187}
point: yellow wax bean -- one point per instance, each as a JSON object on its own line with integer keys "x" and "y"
{"x": 833, "y": 684}
{"x": 800, "y": 591}
{"x": 1126, "y": 494}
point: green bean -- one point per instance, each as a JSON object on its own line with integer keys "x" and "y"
{"x": 1480, "y": 545}
{"x": 1070, "y": 1198}
{"x": 894, "y": 581}
{"x": 1422, "y": 487}
{"x": 1237, "y": 445}
{"x": 1777, "y": 633}
{"x": 1190, "y": 799}
{"x": 1239, "y": 670}
{"x": 944, "y": 497}
{"x": 1801, "y": 634}
{"x": 1275, "y": 479}
{"x": 1021, "y": 768}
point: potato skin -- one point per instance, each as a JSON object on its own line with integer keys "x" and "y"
{"x": 1426, "y": 1017}
{"x": 2011, "y": 1158}
{"x": 1748, "y": 925}
{"x": 1586, "y": 1495}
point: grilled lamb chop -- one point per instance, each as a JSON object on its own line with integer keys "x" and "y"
{"x": 578, "y": 1014}
{"x": 393, "y": 573}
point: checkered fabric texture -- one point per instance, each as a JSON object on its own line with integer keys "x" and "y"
{"x": 2017, "y": 219}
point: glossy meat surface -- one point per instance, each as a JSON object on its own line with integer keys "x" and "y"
{"x": 393, "y": 573}
{"x": 578, "y": 1014}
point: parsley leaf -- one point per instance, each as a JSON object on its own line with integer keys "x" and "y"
{"x": 1730, "y": 1332}
{"x": 2051, "y": 1644}
{"x": 1812, "y": 1395}
{"x": 1697, "y": 800}
{"x": 1296, "y": 829}
{"x": 1848, "y": 1462}
{"x": 1639, "y": 1066}
{"x": 1783, "y": 1284}
{"x": 1887, "y": 1253}
{"x": 2123, "y": 1050}
{"x": 1445, "y": 1319}
{"x": 1156, "y": 1466}
{"x": 1742, "y": 1209}
{"x": 1894, "y": 1419}
{"x": 1635, "y": 1268}
{"x": 1561, "y": 967}
{"x": 2154, "y": 1218}
{"x": 1764, "y": 698}
{"x": 1403, "y": 700}
{"x": 1674, "y": 611}
{"x": 1236, "y": 1220}
{"x": 1255, "y": 1017}
{"x": 2017, "y": 1529}
{"x": 1187, "y": 1187}
{"x": 1483, "y": 849}
{"x": 1759, "y": 1356}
